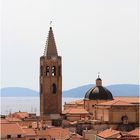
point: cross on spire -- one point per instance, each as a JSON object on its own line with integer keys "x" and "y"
{"x": 50, "y": 23}
{"x": 98, "y": 74}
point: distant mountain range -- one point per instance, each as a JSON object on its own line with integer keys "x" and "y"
{"x": 116, "y": 90}
{"x": 18, "y": 92}
{"x": 79, "y": 92}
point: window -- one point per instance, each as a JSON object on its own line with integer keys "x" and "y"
{"x": 47, "y": 70}
{"x": 53, "y": 139}
{"x": 56, "y": 122}
{"x": 41, "y": 70}
{"x": 54, "y": 88}
{"x": 18, "y": 136}
{"x": 53, "y": 71}
{"x": 42, "y": 139}
{"x": 59, "y": 70}
{"x": 31, "y": 139}
{"x": 8, "y": 136}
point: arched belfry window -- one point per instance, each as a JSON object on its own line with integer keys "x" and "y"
{"x": 47, "y": 70}
{"x": 54, "y": 88}
{"x": 53, "y": 71}
{"x": 41, "y": 70}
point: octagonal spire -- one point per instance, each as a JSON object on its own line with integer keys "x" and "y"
{"x": 50, "y": 48}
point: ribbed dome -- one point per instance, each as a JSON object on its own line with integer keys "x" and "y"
{"x": 98, "y": 93}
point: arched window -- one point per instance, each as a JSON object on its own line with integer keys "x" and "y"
{"x": 41, "y": 70}
{"x": 47, "y": 70}
{"x": 54, "y": 88}
{"x": 59, "y": 70}
{"x": 53, "y": 71}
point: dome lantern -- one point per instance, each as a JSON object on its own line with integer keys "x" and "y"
{"x": 98, "y": 81}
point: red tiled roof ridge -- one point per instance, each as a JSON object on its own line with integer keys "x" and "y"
{"x": 29, "y": 131}
{"x": 73, "y": 110}
{"x": 68, "y": 110}
{"x": 11, "y": 128}
{"x": 135, "y": 132}
{"x": 108, "y": 133}
{"x": 114, "y": 102}
{"x": 117, "y": 102}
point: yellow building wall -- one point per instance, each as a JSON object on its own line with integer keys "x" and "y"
{"x": 116, "y": 116}
{"x": 106, "y": 115}
{"x": 102, "y": 114}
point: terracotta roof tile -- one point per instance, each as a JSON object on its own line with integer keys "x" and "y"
{"x": 135, "y": 132}
{"x": 115, "y": 103}
{"x": 75, "y": 111}
{"x": 128, "y": 99}
{"x": 29, "y": 132}
{"x": 21, "y": 115}
{"x": 55, "y": 132}
{"x": 13, "y": 119}
{"x": 109, "y": 133}
{"x": 10, "y": 129}
{"x": 3, "y": 120}
{"x": 131, "y": 99}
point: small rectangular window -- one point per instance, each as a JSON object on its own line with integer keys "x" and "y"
{"x": 8, "y": 136}
{"x": 54, "y": 88}
{"x": 18, "y": 136}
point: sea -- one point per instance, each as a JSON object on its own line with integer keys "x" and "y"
{"x": 24, "y": 104}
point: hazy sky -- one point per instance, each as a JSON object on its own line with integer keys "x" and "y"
{"x": 91, "y": 36}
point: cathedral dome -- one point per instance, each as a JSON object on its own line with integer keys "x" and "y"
{"x": 98, "y": 92}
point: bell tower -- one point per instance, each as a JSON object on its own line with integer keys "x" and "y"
{"x": 50, "y": 79}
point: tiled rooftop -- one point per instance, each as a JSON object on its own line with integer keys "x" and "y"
{"x": 75, "y": 111}
{"x": 55, "y": 132}
{"x": 3, "y": 120}
{"x": 20, "y": 115}
{"x": 109, "y": 133}
{"x": 128, "y": 99}
{"x": 11, "y": 129}
{"x": 115, "y": 103}
{"x": 29, "y": 132}
{"x": 131, "y": 99}
{"x": 135, "y": 132}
